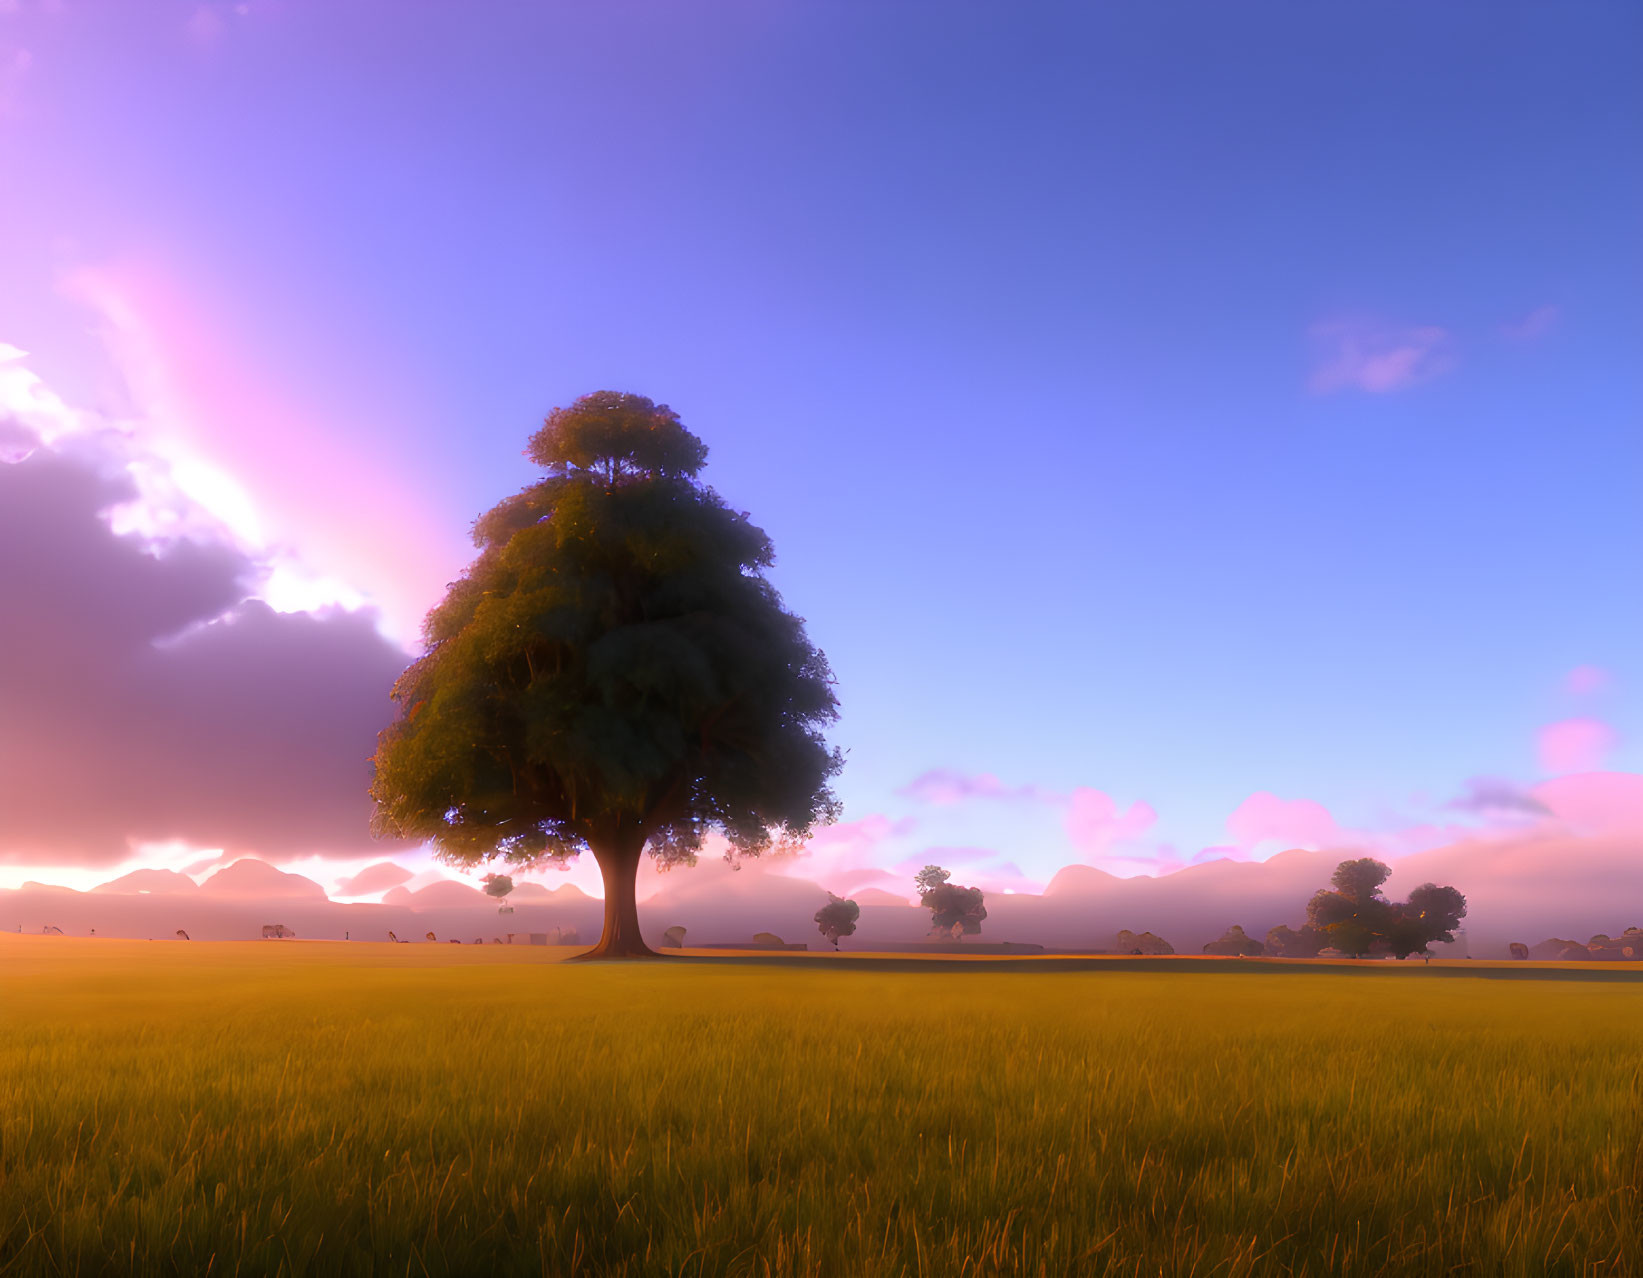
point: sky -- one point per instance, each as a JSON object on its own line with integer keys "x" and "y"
{"x": 1190, "y": 431}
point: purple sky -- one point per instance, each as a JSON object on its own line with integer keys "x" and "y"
{"x": 1188, "y": 433}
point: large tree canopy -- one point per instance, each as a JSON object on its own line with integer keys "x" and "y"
{"x": 612, "y": 672}
{"x": 1353, "y": 916}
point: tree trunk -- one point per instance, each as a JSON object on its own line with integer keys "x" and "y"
{"x": 619, "y": 867}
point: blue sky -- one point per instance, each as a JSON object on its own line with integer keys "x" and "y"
{"x": 1178, "y": 400}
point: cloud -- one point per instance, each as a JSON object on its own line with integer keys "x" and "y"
{"x": 944, "y": 786}
{"x": 843, "y": 855}
{"x": 1575, "y": 745}
{"x": 1355, "y": 356}
{"x": 1265, "y": 817}
{"x": 1584, "y": 681}
{"x": 16, "y": 440}
{"x": 985, "y": 868}
{"x": 150, "y": 697}
{"x": 1489, "y": 796}
{"x": 1595, "y": 803}
{"x": 1094, "y": 824}
{"x": 331, "y": 510}
{"x": 204, "y": 25}
{"x": 1537, "y": 323}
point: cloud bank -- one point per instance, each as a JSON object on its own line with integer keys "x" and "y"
{"x": 1376, "y": 358}
{"x": 147, "y": 695}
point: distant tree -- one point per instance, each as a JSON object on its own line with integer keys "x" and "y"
{"x": 1286, "y": 942}
{"x": 837, "y": 918}
{"x": 1354, "y": 913}
{"x": 1558, "y": 947}
{"x": 673, "y": 938}
{"x": 1518, "y": 950}
{"x": 1355, "y": 918}
{"x": 769, "y": 940}
{"x": 613, "y": 673}
{"x": 931, "y": 876}
{"x": 1234, "y": 942}
{"x": 954, "y": 910}
{"x": 497, "y": 886}
{"x": 1431, "y": 913}
{"x": 1143, "y": 943}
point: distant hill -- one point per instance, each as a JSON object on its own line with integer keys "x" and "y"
{"x": 256, "y": 879}
{"x": 373, "y": 879}
{"x": 1524, "y": 889}
{"x": 878, "y": 896}
{"x": 140, "y": 881}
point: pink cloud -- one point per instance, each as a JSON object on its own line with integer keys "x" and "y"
{"x": 1537, "y": 323}
{"x": 945, "y": 786}
{"x": 276, "y": 469}
{"x": 846, "y": 855}
{"x": 1583, "y": 681}
{"x": 204, "y": 25}
{"x": 1265, "y": 817}
{"x": 1354, "y": 356}
{"x": 984, "y": 868}
{"x": 1094, "y": 823}
{"x": 1596, "y": 802}
{"x": 1575, "y": 745}
{"x": 141, "y": 671}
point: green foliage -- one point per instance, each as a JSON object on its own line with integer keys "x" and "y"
{"x": 837, "y": 918}
{"x": 1234, "y": 941}
{"x": 609, "y": 435}
{"x": 613, "y": 670}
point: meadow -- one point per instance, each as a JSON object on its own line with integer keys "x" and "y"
{"x": 315, "y": 1108}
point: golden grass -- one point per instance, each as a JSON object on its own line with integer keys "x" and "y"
{"x": 170, "y": 1108}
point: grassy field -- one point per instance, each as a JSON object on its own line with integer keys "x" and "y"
{"x": 326, "y": 1108}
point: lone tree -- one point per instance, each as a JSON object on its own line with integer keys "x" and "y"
{"x": 837, "y": 918}
{"x": 957, "y": 911}
{"x": 612, "y": 673}
{"x": 497, "y": 886}
{"x": 1356, "y": 918}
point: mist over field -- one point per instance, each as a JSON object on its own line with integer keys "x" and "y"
{"x": 1526, "y": 891}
